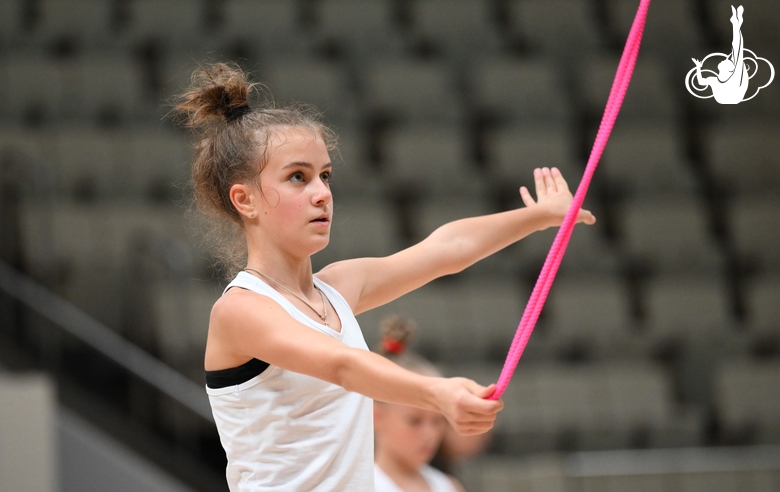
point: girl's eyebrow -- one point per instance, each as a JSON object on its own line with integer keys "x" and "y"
{"x": 305, "y": 164}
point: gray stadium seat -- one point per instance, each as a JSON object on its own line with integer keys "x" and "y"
{"x": 442, "y": 319}
{"x": 324, "y": 85}
{"x": 176, "y": 74}
{"x": 431, "y": 158}
{"x": 693, "y": 309}
{"x": 591, "y": 313}
{"x": 353, "y": 174}
{"x": 598, "y": 404}
{"x": 520, "y": 90}
{"x": 470, "y": 320}
{"x": 754, "y": 226}
{"x": 91, "y": 244}
{"x": 31, "y": 154}
{"x": 105, "y": 85}
{"x": 747, "y": 397}
{"x": 272, "y": 26}
{"x": 461, "y": 27}
{"x": 361, "y": 228}
{"x": 647, "y": 159}
{"x": 176, "y": 23}
{"x": 494, "y": 307}
{"x": 181, "y": 315}
{"x": 744, "y": 158}
{"x": 669, "y": 234}
{"x": 690, "y": 319}
{"x": 762, "y": 306}
{"x": 566, "y": 28}
{"x": 651, "y": 95}
{"x": 363, "y": 28}
{"x": 411, "y": 90}
{"x": 10, "y": 21}
{"x": 86, "y": 235}
{"x": 87, "y": 163}
{"x": 153, "y": 162}
{"x": 463, "y": 321}
{"x": 88, "y": 22}
{"x": 37, "y": 85}
{"x": 513, "y": 153}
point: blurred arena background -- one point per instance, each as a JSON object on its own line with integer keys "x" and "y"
{"x": 656, "y": 364}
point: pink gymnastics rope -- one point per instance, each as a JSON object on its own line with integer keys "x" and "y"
{"x": 554, "y": 257}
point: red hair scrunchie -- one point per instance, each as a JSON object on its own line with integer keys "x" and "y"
{"x": 392, "y": 346}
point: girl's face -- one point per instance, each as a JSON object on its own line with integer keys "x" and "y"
{"x": 296, "y": 206}
{"x": 410, "y": 435}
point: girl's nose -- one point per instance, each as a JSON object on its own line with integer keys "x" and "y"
{"x": 322, "y": 194}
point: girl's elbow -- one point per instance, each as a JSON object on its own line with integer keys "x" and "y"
{"x": 343, "y": 369}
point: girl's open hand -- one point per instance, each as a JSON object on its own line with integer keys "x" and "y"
{"x": 462, "y": 402}
{"x": 554, "y": 197}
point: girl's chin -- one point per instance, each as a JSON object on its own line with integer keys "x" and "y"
{"x": 318, "y": 247}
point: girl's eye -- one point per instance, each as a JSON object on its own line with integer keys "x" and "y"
{"x": 296, "y": 177}
{"x": 326, "y": 176}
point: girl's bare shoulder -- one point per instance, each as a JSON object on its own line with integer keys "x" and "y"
{"x": 235, "y": 305}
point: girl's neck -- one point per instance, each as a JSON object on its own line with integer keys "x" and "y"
{"x": 293, "y": 273}
{"x": 285, "y": 265}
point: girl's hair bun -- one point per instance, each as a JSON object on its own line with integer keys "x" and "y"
{"x": 218, "y": 93}
{"x": 396, "y": 332}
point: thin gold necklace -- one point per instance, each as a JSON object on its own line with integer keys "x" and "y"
{"x": 323, "y": 316}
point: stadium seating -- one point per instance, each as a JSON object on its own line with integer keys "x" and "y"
{"x": 460, "y": 28}
{"x": 361, "y": 29}
{"x": 662, "y": 329}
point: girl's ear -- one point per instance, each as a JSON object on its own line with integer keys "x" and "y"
{"x": 242, "y": 198}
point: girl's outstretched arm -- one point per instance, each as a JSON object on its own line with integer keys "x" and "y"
{"x": 245, "y": 324}
{"x": 370, "y": 282}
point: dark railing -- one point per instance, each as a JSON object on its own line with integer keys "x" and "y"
{"x": 101, "y": 338}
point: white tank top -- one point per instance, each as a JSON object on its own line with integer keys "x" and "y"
{"x": 285, "y": 431}
{"x": 436, "y": 480}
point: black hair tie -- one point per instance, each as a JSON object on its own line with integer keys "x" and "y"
{"x": 235, "y": 113}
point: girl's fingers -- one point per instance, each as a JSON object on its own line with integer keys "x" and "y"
{"x": 549, "y": 181}
{"x": 541, "y": 187}
{"x": 586, "y": 217}
{"x": 479, "y": 405}
{"x": 526, "y": 196}
{"x": 560, "y": 182}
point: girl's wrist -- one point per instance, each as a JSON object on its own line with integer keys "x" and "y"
{"x": 541, "y": 218}
{"x": 435, "y": 389}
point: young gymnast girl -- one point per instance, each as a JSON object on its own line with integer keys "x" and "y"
{"x": 288, "y": 373}
{"x": 407, "y": 438}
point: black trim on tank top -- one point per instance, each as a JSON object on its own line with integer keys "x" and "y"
{"x": 235, "y": 375}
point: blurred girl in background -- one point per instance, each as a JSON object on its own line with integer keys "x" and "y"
{"x": 407, "y": 438}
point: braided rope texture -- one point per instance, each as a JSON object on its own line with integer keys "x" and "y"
{"x": 555, "y": 256}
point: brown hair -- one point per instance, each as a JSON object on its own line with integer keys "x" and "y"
{"x": 232, "y": 143}
{"x": 396, "y": 333}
